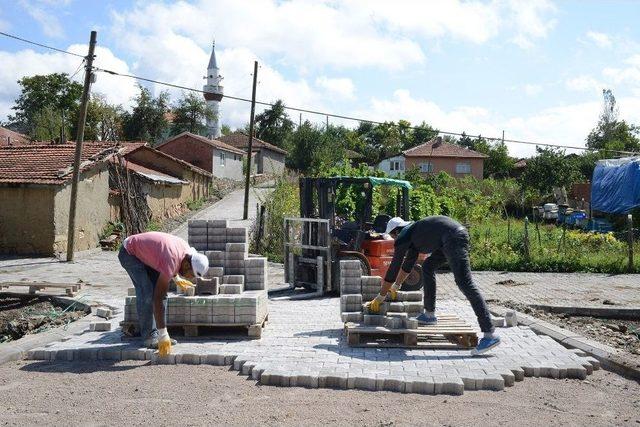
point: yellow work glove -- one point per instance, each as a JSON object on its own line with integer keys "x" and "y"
{"x": 374, "y": 304}
{"x": 393, "y": 292}
{"x": 164, "y": 342}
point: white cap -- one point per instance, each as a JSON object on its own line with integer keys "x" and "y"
{"x": 199, "y": 262}
{"x": 395, "y": 223}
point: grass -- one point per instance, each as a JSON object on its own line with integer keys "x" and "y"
{"x": 194, "y": 205}
{"x": 500, "y": 245}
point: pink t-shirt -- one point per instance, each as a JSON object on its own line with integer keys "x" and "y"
{"x": 161, "y": 251}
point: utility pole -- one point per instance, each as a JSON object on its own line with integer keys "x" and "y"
{"x": 84, "y": 102}
{"x": 250, "y": 148}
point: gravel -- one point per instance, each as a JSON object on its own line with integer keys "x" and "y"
{"x": 139, "y": 393}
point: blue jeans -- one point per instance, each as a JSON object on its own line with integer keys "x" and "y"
{"x": 455, "y": 251}
{"x": 144, "y": 279}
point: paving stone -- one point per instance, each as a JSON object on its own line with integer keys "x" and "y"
{"x": 104, "y": 312}
{"x": 99, "y": 326}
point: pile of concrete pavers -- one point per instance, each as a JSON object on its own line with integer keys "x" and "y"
{"x": 356, "y": 290}
{"x": 233, "y": 291}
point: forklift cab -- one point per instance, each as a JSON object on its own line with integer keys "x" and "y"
{"x": 318, "y": 200}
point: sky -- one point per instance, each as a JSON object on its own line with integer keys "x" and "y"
{"x": 534, "y": 69}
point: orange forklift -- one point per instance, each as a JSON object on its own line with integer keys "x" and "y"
{"x": 359, "y": 237}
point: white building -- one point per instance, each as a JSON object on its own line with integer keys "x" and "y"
{"x": 213, "y": 94}
{"x": 392, "y": 166}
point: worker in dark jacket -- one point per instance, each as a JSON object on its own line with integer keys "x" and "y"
{"x": 446, "y": 240}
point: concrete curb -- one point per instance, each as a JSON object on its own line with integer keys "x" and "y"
{"x": 610, "y": 358}
{"x": 627, "y": 313}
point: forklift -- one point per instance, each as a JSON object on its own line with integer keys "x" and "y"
{"x": 319, "y": 239}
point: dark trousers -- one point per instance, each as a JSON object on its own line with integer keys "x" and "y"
{"x": 455, "y": 251}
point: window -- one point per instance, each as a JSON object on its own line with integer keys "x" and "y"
{"x": 426, "y": 167}
{"x": 396, "y": 165}
{"x": 463, "y": 167}
{"x": 222, "y": 159}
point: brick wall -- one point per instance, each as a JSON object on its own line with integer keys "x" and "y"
{"x": 194, "y": 152}
{"x": 448, "y": 165}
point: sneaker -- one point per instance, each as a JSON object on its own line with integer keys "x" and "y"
{"x": 423, "y": 319}
{"x": 485, "y": 345}
{"x": 152, "y": 343}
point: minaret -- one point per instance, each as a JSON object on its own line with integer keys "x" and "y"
{"x": 213, "y": 95}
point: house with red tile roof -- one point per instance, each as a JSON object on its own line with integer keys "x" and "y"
{"x": 9, "y": 138}
{"x": 267, "y": 158}
{"x": 216, "y": 157}
{"x": 436, "y": 156}
{"x": 35, "y": 189}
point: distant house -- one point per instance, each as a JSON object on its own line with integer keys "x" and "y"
{"x": 216, "y": 157}
{"x": 35, "y": 189}
{"x": 268, "y": 159}
{"x": 168, "y": 183}
{"x": 436, "y": 156}
{"x": 9, "y": 138}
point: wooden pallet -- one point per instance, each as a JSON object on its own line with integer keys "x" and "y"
{"x": 451, "y": 332}
{"x": 203, "y": 330}
{"x": 70, "y": 288}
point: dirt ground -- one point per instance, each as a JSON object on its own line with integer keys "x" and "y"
{"x": 139, "y": 393}
{"x": 621, "y": 334}
{"x": 24, "y": 315}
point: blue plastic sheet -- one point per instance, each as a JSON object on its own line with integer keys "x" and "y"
{"x": 615, "y": 187}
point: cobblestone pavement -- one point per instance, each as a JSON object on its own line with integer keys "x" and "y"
{"x": 303, "y": 345}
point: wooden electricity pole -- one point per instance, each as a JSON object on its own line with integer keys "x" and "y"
{"x": 82, "y": 117}
{"x": 250, "y": 147}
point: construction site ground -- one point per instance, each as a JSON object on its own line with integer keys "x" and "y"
{"x": 304, "y": 339}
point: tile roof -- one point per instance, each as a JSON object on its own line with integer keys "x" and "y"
{"x": 212, "y": 142}
{"x": 47, "y": 164}
{"x": 444, "y": 150}
{"x": 241, "y": 140}
{"x": 8, "y": 136}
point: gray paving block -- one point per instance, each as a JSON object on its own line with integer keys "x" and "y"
{"x": 197, "y": 223}
{"x": 374, "y": 320}
{"x": 233, "y": 279}
{"x": 452, "y": 385}
{"x": 104, "y": 312}
{"x": 131, "y": 292}
{"x": 231, "y": 288}
{"x": 393, "y": 322}
{"x": 350, "y": 289}
{"x": 409, "y": 296}
{"x": 100, "y": 326}
{"x": 336, "y": 380}
{"x": 198, "y": 239}
{"x": 350, "y": 273}
{"x": 217, "y": 223}
{"x": 362, "y": 382}
{"x": 420, "y": 386}
{"x": 356, "y": 317}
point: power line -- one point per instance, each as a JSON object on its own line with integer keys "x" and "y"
{"x": 40, "y": 44}
{"x": 340, "y": 116}
{"x": 308, "y": 111}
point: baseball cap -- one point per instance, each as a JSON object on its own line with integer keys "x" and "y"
{"x": 395, "y": 223}
{"x": 199, "y": 262}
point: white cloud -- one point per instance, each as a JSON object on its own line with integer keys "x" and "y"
{"x": 342, "y": 87}
{"x": 49, "y": 22}
{"x": 530, "y": 20}
{"x": 532, "y": 89}
{"x": 28, "y": 63}
{"x": 585, "y": 83}
{"x": 563, "y": 125}
{"x": 627, "y": 75}
{"x": 600, "y": 39}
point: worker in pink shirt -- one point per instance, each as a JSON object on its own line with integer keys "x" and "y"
{"x": 152, "y": 259}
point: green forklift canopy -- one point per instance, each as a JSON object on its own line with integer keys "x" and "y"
{"x": 374, "y": 181}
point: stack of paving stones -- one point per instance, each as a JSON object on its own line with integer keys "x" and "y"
{"x": 232, "y": 292}
{"x": 356, "y": 290}
{"x": 310, "y": 351}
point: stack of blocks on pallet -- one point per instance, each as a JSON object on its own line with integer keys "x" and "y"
{"x": 232, "y": 292}
{"x": 356, "y": 289}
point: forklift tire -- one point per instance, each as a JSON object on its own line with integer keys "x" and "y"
{"x": 414, "y": 281}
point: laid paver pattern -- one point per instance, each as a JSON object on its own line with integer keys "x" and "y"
{"x": 303, "y": 345}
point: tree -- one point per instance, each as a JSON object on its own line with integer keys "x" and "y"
{"x": 147, "y": 119}
{"x": 104, "y": 120}
{"x": 226, "y": 130}
{"x": 313, "y": 149}
{"x": 423, "y": 133}
{"x": 550, "y": 168}
{"x": 611, "y": 133}
{"x": 55, "y": 93}
{"x": 381, "y": 141}
{"x": 47, "y": 125}
{"x": 273, "y": 124}
{"x": 190, "y": 115}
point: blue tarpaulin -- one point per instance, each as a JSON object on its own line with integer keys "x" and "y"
{"x": 615, "y": 187}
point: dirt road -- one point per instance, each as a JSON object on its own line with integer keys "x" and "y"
{"x": 136, "y": 393}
